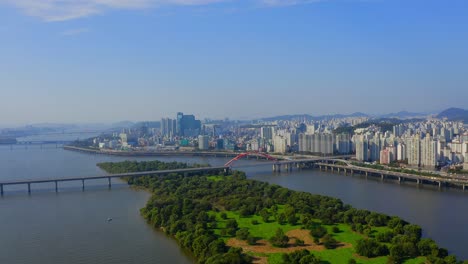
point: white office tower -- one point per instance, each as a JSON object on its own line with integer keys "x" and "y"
{"x": 414, "y": 150}
{"x": 428, "y": 152}
{"x": 362, "y": 148}
{"x": 203, "y": 142}
{"x": 401, "y": 151}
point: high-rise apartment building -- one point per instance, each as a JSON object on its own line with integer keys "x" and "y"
{"x": 362, "y": 148}
{"x": 401, "y": 151}
{"x": 428, "y": 152}
{"x": 343, "y": 143}
{"x": 414, "y": 150}
{"x": 168, "y": 127}
{"x": 267, "y": 132}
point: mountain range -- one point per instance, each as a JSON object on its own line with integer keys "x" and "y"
{"x": 454, "y": 114}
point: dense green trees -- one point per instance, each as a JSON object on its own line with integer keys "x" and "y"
{"x": 371, "y": 248}
{"x": 279, "y": 239}
{"x": 300, "y": 257}
{"x": 185, "y": 206}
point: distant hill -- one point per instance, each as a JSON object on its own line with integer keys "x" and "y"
{"x": 307, "y": 116}
{"x": 454, "y": 114}
{"x": 403, "y": 115}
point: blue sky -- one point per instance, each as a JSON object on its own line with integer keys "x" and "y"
{"x": 111, "y": 60}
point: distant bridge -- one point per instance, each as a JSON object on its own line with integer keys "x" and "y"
{"x": 111, "y": 176}
{"x": 384, "y": 174}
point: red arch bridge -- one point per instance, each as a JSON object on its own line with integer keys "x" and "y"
{"x": 246, "y": 154}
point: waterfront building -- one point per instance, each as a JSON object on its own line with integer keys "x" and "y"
{"x": 343, "y": 143}
{"x": 267, "y": 132}
{"x": 401, "y": 151}
{"x": 303, "y": 142}
{"x": 203, "y": 142}
{"x": 187, "y": 125}
{"x": 414, "y": 150}
{"x": 428, "y": 152}
{"x": 375, "y": 146}
{"x": 465, "y": 164}
{"x": 280, "y": 144}
{"x": 362, "y": 148}
{"x": 168, "y": 127}
{"x": 385, "y": 156}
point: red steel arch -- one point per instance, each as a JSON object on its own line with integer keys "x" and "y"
{"x": 245, "y": 154}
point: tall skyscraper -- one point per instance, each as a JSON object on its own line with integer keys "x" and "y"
{"x": 187, "y": 125}
{"x": 179, "y": 131}
{"x": 375, "y": 146}
{"x": 428, "y": 152}
{"x": 401, "y": 151}
{"x": 362, "y": 148}
{"x": 343, "y": 143}
{"x": 168, "y": 127}
{"x": 267, "y": 132}
{"x": 414, "y": 150}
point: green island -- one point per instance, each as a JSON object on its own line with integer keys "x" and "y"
{"x": 232, "y": 219}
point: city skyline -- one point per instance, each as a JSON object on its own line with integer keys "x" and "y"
{"x": 106, "y": 61}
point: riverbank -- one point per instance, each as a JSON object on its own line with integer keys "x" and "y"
{"x": 206, "y": 213}
{"x": 137, "y": 153}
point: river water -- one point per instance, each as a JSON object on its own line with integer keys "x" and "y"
{"x": 71, "y": 226}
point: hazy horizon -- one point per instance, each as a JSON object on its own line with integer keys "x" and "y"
{"x": 95, "y": 61}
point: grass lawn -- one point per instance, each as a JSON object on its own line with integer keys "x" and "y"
{"x": 262, "y": 230}
{"x": 215, "y": 178}
{"x": 330, "y": 256}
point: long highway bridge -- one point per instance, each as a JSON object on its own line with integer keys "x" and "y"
{"x": 330, "y": 163}
{"x": 203, "y": 170}
{"x": 350, "y": 169}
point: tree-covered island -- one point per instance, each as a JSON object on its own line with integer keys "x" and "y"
{"x": 231, "y": 219}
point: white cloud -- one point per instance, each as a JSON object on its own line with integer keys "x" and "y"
{"x": 61, "y": 10}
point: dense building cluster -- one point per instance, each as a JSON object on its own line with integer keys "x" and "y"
{"x": 428, "y": 143}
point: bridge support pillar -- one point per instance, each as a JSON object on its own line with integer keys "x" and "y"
{"x": 399, "y": 179}
{"x": 56, "y": 186}
{"x": 82, "y": 184}
{"x": 110, "y": 183}
{"x": 382, "y": 176}
{"x": 440, "y": 184}
{"x": 276, "y": 167}
{"x": 463, "y": 187}
{"x": 418, "y": 181}
{"x": 29, "y": 187}
{"x": 1, "y": 189}
{"x": 366, "y": 174}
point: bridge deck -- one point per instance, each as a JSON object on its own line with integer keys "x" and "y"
{"x": 120, "y": 175}
{"x": 454, "y": 180}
